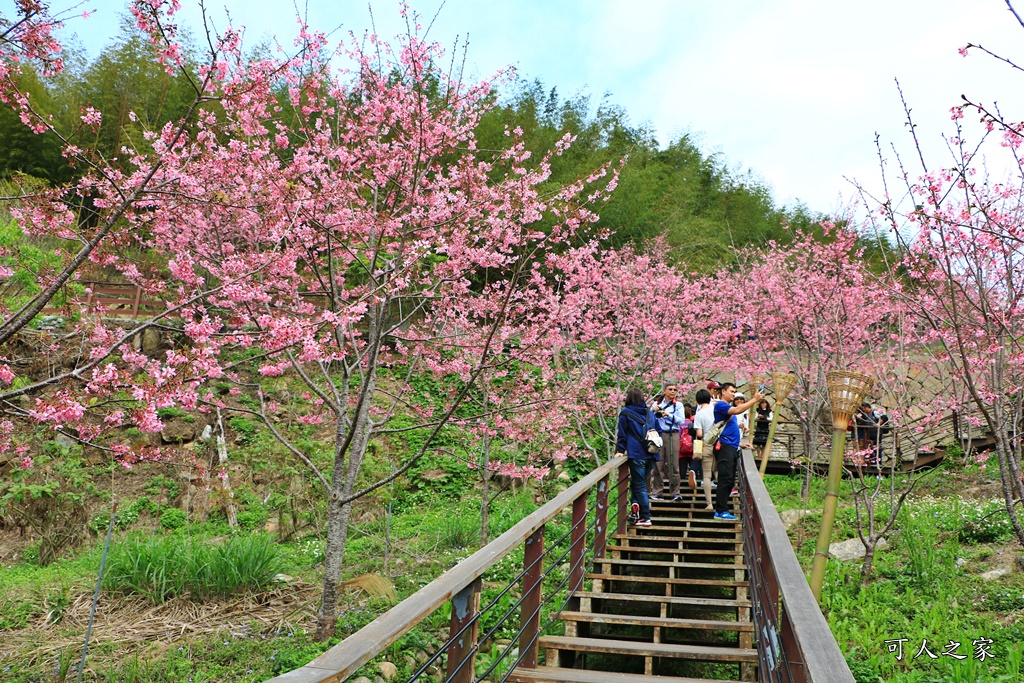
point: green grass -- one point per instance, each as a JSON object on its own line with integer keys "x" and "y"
{"x": 926, "y": 586}
{"x": 166, "y": 567}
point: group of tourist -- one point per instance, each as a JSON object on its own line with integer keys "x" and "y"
{"x": 696, "y": 442}
{"x": 869, "y": 425}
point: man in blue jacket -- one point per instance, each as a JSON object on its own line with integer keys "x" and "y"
{"x": 728, "y": 447}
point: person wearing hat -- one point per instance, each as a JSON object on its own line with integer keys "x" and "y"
{"x": 715, "y": 389}
{"x": 743, "y": 419}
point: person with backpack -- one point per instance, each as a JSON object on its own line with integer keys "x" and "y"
{"x": 686, "y": 433}
{"x": 635, "y": 440}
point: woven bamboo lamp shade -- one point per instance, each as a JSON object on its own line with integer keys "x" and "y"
{"x": 782, "y": 384}
{"x": 846, "y": 390}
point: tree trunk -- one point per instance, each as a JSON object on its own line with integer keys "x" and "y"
{"x": 225, "y": 483}
{"x": 339, "y": 515}
{"x": 810, "y": 450}
{"x": 1005, "y": 454}
{"x": 485, "y": 473}
{"x": 870, "y": 544}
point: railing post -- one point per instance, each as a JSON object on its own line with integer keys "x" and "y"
{"x": 623, "y": 515}
{"x": 578, "y": 548}
{"x": 135, "y": 306}
{"x": 465, "y": 607}
{"x": 530, "y": 615}
{"x": 601, "y": 513}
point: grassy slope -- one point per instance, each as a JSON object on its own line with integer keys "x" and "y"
{"x": 926, "y": 585}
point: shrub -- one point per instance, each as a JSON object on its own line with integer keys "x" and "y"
{"x": 173, "y": 518}
{"x": 246, "y": 429}
{"x": 251, "y": 519}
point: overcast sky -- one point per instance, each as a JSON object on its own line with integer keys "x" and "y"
{"x": 794, "y": 90}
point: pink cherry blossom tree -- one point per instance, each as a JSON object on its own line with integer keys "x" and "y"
{"x": 28, "y": 36}
{"x": 628, "y": 317}
{"x": 343, "y": 228}
{"x": 808, "y": 307}
{"x": 914, "y": 385}
{"x": 961, "y": 270}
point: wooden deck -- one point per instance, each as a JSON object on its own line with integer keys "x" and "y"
{"x": 688, "y": 599}
{"x": 668, "y": 603}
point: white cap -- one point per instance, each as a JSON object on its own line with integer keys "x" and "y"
{"x": 739, "y": 394}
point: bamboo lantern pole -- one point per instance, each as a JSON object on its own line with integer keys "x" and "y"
{"x": 755, "y": 381}
{"x": 782, "y": 384}
{"x": 846, "y": 390}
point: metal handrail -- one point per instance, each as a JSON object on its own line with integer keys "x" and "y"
{"x": 456, "y": 585}
{"x": 794, "y": 642}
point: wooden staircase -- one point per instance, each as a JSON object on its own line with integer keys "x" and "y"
{"x": 667, "y": 603}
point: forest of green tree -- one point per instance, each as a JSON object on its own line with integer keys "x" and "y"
{"x": 680, "y": 192}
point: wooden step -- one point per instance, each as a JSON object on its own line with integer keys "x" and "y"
{"x": 632, "y": 536}
{"x": 689, "y": 502}
{"x": 724, "y": 533}
{"x": 667, "y": 599}
{"x": 704, "y": 653}
{"x": 690, "y": 523}
{"x": 729, "y": 583}
{"x": 550, "y": 674}
{"x": 672, "y": 551}
{"x": 630, "y": 620}
{"x": 681, "y": 523}
{"x": 655, "y": 563}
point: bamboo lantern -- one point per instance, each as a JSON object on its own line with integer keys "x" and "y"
{"x": 782, "y": 384}
{"x": 846, "y": 390}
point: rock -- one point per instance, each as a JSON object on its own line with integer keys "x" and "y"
{"x": 272, "y": 526}
{"x": 361, "y": 679}
{"x": 178, "y": 431}
{"x": 388, "y": 670}
{"x": 93, "y": 456}
{"x": 63, "y": 440}
{"x": 996, "y": 573}
{"x": 852, "y": 549}
{"x": 564, "y": 476}
{"x": 960, "y": 561}
{"x": 283, "y": 578}
{"x": 150, "y": 340}
{"x": 791, "y": 517}
{"x": 421, "y": 657}
{"x": 207, "y": 433}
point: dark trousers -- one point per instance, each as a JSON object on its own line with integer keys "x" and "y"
{"x": 725, "y": 460}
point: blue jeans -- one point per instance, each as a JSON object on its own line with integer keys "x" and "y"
{"x": 638, "y": 471}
